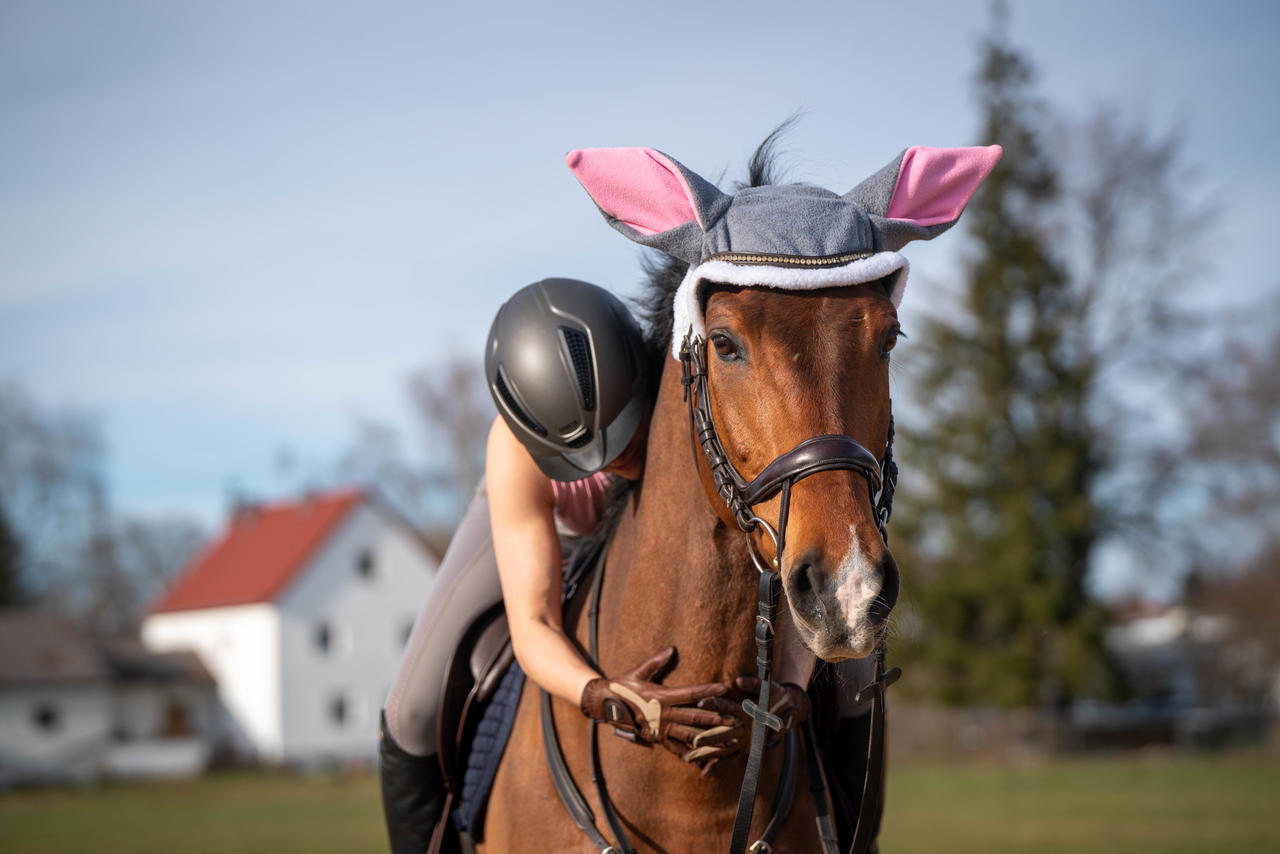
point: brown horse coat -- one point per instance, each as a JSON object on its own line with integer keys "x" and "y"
{"x": 678, "y": 574}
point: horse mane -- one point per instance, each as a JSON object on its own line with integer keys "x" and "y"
{"x": 655, "y": 308}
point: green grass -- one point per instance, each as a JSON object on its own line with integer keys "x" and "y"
{"x": 242, "y": 813}
{"x": 1169, "y": 806}
{"x": 1112, "y": 805}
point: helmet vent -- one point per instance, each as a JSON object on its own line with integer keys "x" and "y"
{"x": 580, "y": 354}
{"x": 516, "y": 409}
{"x": 579, "y": 441}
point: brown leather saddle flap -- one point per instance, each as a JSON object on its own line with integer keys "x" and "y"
{"x": 475, "y": 669}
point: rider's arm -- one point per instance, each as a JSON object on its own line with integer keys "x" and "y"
{"x": 522, "y": 513}
{"x": 521, "y": 510}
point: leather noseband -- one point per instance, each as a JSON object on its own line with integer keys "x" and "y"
{"x": 821, "y": 453}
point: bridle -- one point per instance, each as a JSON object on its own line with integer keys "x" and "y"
{"x": 830, "y": 452}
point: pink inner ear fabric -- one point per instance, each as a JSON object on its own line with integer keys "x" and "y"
{"x": 637, "y": 186}
{"x": 934, "y": 184}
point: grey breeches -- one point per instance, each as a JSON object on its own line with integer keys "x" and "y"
{"x": 466, "y": 584}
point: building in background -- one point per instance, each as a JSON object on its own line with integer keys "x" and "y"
{"x": 75, "y": 709}
{"x": 1195, "y": 681}
{"x": 300, "y": 611}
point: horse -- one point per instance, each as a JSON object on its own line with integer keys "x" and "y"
{"x": 793, "y": 349}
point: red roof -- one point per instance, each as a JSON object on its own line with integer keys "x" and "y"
{"x": 262, "y": 551}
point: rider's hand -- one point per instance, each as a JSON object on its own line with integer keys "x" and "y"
{"x": 634, "y": 703}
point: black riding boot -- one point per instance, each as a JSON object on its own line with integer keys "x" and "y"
{"x": 849, "y": 761}
{"x": 412, "y": 794}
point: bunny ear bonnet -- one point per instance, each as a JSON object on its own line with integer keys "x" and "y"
{"x": 790, "y": 236}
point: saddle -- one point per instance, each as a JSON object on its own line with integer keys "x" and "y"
{"x": 480, "y": 662}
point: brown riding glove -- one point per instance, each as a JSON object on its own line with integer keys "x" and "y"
{"x": 689, "y": 721}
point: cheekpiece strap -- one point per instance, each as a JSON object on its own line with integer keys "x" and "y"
{"x": 729, "y": 484}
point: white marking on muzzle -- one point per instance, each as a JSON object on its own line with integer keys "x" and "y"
{"x": 856, "y": 584}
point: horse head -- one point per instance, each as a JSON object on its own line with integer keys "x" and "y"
{"x": 784, "y": 323}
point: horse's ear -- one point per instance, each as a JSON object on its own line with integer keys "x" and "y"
{"x": 923, "y": 192}
{"x": 649, "y": 197}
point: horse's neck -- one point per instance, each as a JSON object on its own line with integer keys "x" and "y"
{"x": 679, "y": 576}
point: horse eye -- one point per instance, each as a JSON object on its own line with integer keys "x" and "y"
{"x": 725, "y": 346}
{"x": 891, "y": 341}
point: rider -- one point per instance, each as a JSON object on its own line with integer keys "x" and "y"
{"x": 568, "y": 369}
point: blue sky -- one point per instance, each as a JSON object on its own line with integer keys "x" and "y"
{"x": 232, "y": 227}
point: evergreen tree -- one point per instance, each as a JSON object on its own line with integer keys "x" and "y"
{"x": 11, "y": 591}
{"x": 997, "y": 532}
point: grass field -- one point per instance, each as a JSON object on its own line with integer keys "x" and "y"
{"x": 1228, "y": 805}
{"x": 1170, "y": 807}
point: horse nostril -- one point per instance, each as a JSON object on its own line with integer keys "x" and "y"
{"x": 802, "y": 582}
{"x": 888, "y": 596}
{"x": 816, "y": 579}
{"x": 804, "y": 589}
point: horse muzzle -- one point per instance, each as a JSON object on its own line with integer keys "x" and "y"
{"x": 842, "y": 610}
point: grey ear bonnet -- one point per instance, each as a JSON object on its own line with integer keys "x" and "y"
{"x": 793, "y": 236}
{"x": 565, "y": 365}
{"x": 818, "y": 222}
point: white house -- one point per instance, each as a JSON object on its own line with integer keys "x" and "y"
{"x": 300, "y": 611}
{"x": 77, "y": 708}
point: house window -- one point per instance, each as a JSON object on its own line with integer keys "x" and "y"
{"x": 177, "y": 721}
{"x": 47, "y": 717}
{"x": 324, "y": 637}
{"x": 339, "y": 710}
{"x": 365, "y": 564}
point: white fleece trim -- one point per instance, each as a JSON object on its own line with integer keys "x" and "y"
{"x": 688, "y": 312}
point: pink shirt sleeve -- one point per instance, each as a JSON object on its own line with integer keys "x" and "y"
{"x": 579, "y": 503}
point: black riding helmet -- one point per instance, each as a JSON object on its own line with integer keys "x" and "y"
{"x": 566, "y": 366}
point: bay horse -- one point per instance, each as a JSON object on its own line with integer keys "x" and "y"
{"x": 791, "y": 291}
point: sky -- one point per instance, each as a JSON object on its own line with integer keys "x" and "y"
{"x": 231, "y": 228}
